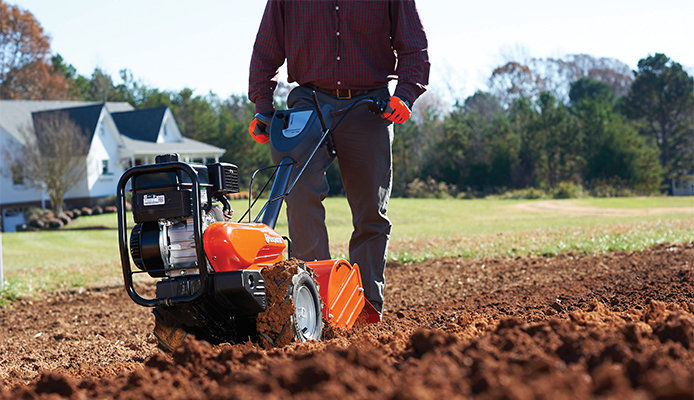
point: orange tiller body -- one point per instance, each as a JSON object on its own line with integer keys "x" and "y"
{"x": 233, "y": 246}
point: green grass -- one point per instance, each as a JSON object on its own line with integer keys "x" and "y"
{"x": 87, "y": 254}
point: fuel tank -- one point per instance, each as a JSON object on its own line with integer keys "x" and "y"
{"x": 232, "y": 246}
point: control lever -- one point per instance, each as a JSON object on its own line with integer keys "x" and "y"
{"x": 328, "y": 138}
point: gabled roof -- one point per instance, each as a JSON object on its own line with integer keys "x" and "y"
{"x": 85, "y": 117}
{"x": 143, "y": 124}
{"x": 16, "y": 115}
{"x": 185, "y": 147}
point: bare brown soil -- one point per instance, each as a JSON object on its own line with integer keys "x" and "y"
{"x": 618, "y": 325}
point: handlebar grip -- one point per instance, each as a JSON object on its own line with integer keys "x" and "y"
{"x": 378, "y": 106}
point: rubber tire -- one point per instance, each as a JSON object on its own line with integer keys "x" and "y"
{"x": 304, "y": 278}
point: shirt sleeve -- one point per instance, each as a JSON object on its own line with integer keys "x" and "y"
{"x": 268, "y": 56}
{"x": 410, "y": 43}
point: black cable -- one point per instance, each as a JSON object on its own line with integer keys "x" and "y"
{"x": 259, "y": 194}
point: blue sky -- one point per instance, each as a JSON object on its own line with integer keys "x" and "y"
{"x": 207, "y": 44}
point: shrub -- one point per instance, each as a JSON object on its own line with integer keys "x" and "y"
{"x": 86, "y": 211}
{"x": 430, "y": 189}
{"x": 110, "y": 209}
{"x": 33, "y": 212}
{"x": 106, "y": 201}
{"x": 54, "y": 223}
{"x": 97, "y": 210}
{"x": 528, "y": 193}
{"x": 76, "y": 213}
{"x": 568, "y": 190}
{"x": 614, "y": 187}
{"x": 64, "y": 218}
{"x": 36, "y": 222}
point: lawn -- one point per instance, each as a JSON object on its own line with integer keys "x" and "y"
{"x": 86, "y": 253}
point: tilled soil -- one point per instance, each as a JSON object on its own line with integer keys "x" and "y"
{"x": 618, "y": 325}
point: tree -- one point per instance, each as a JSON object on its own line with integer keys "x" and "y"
{"x": 513, "y": 81}
{"x": 476, "y": 148}
{"x": 587, "y": 88}
{"x": 662, "y": 101}
{"x": 25, "y": 65}
{"x": 53, "y": 156}
{"x": 614, "y": 151}
{"x": 530, "y": 77}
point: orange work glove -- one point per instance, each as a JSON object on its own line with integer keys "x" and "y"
{"x": 260, "y": 128}
{"x": 397, "y": 111}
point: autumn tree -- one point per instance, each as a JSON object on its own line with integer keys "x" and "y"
{"x": 662, "y": 100}
{"x": 528, "y": 78}
{"x": 52, "y": 156}
{"x": 25, "y": 64}
{"x": 513, "y": 81}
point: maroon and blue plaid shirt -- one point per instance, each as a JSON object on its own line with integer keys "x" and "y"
{"x": 340, "y": 44}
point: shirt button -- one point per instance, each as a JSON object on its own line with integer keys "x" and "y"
{"x": 337, "y": 8}
{"x": 338, "y": 58}
{"x": 338, "y": 33}
{"x": 339, "y": 82}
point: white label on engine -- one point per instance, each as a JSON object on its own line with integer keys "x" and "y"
{"x": 272, "y": 239}
{"x": 154, "y": 200}
{"x": 203, "y": 195}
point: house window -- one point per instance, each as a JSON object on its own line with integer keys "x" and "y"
{"x": 104, "y": 168}
{"x": 102, "y": 131}
{"x": 17, "y": 174}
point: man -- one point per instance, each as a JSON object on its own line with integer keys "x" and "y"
{"x": 345, "y": 51}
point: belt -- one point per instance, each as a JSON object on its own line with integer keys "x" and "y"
{"x": 342, "y": 94}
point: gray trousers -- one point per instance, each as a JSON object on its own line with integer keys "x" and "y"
{"x": 363, "y": 143}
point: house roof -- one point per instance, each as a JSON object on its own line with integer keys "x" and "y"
{"x": 138, "y": 128}
{"x": 16, "y": 115}
{"x": 143, "y": 125}
{"x": 185, "y": 147}
{"x": 85, "y": 117}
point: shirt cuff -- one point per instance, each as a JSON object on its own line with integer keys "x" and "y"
{"x": 405, "y": 93}
{"x": 264, "y": 106}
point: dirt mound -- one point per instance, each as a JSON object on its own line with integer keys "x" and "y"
{"x": 274, "y": 324}
{"x": 617, "y": 325}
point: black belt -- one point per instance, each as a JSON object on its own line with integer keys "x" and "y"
{"x": 342, "y": 94}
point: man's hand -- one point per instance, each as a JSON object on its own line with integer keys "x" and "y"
{"x": 397, "y": 111}
{"x": 260, "y": 127}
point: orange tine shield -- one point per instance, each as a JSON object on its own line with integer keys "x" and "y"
{"x": 341, "y": 290}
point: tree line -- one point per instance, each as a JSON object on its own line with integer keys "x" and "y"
{"x": 525, "y": 133}
{"x": 543, "y": 123}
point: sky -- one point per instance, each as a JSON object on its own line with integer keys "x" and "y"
{"x": 206, "y": 44}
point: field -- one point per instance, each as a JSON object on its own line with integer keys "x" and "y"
{"x": 87, "y": 254}
{"x": 575, "y": 299}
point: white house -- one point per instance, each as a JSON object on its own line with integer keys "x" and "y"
{"x": 119, "y": 138}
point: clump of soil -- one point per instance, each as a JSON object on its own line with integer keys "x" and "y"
{"x": 274, "y": 324}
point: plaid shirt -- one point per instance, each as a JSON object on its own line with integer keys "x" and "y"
{"x": 340, "y": 44}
